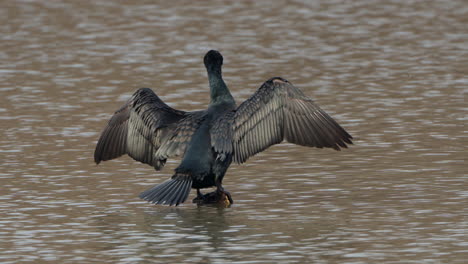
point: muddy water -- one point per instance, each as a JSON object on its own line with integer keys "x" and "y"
{"x": 395, "y": 75}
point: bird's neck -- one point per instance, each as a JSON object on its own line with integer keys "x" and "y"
{"x": 219, "y": 92}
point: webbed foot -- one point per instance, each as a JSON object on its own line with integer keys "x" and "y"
{"x": 227, "y": 196}
{"x": 200, "y": 197}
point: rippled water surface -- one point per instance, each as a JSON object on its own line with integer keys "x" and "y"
{"x": 393, "y": 73}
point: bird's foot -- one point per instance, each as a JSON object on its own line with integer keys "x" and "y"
{"x": 199, "y": 199}
{"x": 227, "y": 196}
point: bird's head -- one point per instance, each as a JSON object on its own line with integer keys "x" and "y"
{"x": 213, "y": 60}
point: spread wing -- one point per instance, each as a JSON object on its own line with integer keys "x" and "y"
{"x": 141, "y": 126}
{"x": 276, "y": 111}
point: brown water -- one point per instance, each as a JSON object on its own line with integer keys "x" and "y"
{"x": 393, "y": 73}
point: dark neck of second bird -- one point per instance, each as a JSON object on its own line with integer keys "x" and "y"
{"x": 218, "y": 90}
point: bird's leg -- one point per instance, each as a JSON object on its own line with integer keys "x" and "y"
{"x": 220, "y": 189}
{"x": 200, "y": 197}
{"x": 199, "y": 194}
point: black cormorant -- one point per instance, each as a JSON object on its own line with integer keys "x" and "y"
{"x": 150, "y": 131}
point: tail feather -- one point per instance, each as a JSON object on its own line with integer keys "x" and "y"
{"x": 184, "y": 192}
{"x": 171, "y": 192}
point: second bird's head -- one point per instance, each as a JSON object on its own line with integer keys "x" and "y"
{"x": 213, "y": 60}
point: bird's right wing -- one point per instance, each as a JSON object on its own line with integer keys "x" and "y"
{"x": 277, "y": 111}
{"x": 140, "y": 127}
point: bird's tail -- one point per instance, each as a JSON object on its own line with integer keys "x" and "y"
{"x": 172, "y": 192}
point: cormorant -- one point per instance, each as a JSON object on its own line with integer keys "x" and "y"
{"x": 150, "y": 131}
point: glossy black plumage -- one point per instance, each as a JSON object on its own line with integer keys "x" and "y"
{"x": 208, "y": 141}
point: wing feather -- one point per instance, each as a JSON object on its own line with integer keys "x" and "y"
{"x": 276, "y": 111}
{"x": 141, "y": 127}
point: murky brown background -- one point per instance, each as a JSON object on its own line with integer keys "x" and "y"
{"x": 394, "y": 74}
